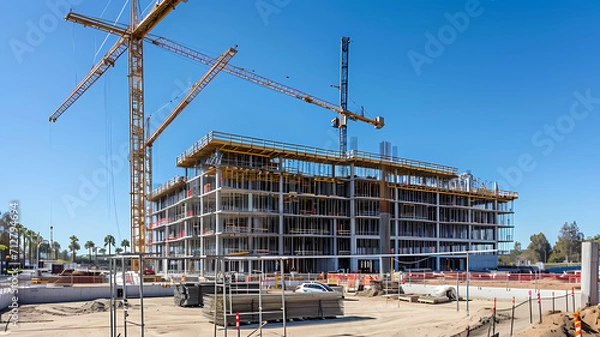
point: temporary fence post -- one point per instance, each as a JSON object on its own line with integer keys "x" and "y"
{"x": 566, "y": 301}
{"x": 573, "y": 296}
{"x": 512, "y": 317}
{"x": 530, "y": 309}
{"x": 494, "y": 318}
{"x": 457, "y": 295}
{"x": 283, "y": 307}
{"x": 553, "y": 304}
{"x": 539, "y": 301}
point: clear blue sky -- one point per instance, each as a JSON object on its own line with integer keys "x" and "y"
{"x": 488, "y": 95}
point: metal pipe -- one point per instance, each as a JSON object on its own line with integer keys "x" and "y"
{"x": 215, "y": 301}
{"x": 125, "y": 313}
{"x": 467, "y": 282}
{"x": 112, "y": 299}
{"x": 224, "y": 297}
{"x": 283, "y": 298}
{"x": 141, "y": 282}
{"x": 260, "y": 316}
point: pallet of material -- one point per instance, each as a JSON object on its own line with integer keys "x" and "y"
{"x": 408, "y": 297}
{"x": 433, "y": 299}
{"x": 191, "y": 294}
{"x": 298, "y": 306}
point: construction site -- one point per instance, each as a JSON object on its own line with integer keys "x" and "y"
{"x": 241, "y": 195}
{"x": 271, "y": 235}
{"x": 256, "y": 197}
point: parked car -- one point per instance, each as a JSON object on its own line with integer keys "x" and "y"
{"x": 313, "y": 287}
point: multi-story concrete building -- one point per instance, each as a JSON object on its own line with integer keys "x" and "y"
{"x": 243, "y": 195}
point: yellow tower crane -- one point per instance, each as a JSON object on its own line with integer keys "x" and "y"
{"x": 140, "y": 148}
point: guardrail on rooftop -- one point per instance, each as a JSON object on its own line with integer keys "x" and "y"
{"x": 308, "y": 150}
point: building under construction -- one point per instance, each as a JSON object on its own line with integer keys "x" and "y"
{"x": 243, "y": 195}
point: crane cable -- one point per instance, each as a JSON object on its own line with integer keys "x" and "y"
{"x": 52, "y": 167}
{"x": 108, "y": 155}
{"x": 109, "y": 34}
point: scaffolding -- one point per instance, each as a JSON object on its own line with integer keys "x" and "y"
{"x": 244, "y": 195}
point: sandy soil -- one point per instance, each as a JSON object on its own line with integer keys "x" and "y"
{"x": 563, "y": 324}
{"x": 364, "y": 316}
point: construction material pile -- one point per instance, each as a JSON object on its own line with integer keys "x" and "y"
{"x": 191, "y": 294}
{"x": 297, "y": 306}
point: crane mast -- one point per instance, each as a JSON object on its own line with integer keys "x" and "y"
{"x": 343, "y": 119}
{"x": 132, "y": 38}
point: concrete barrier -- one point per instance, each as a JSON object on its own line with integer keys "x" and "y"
{"x": 35, "y": 295}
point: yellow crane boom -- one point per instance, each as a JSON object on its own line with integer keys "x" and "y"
{"x": 132, "y": 38}
{"x": 197, "y": 56}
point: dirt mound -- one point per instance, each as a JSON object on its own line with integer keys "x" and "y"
{"x": 563, "y": 324}
{"x": 34, "y": 312}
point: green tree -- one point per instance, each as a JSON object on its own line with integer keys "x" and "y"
{"x": 125, "y": 244}
{"x": 64, "y": 255}
{"x": 4, "y": 229}
{"x": 74, "y": 246}
{"x": 539, "y": 249}
{"x": 102, "y": 252}
{"x": 511, "y": 258}
{"x": 32, "y": 239}
{"x": 568, "y": 246}
{"x": 594, "y": 238}
{"x": 20, "y": 233}
{"x": 119, "y": 250}
{"x": 89, "y": 245}
{"x": 109, "y": 240}
{"x": 56, "y": 249}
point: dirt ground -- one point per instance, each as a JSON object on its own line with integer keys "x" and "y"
{"x": 364, "y": 316}
{"x": 563, "y": 324}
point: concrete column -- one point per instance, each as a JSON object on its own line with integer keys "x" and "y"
{"x": 589, "y": 273}
{"x": 470, "y": 222}
{"x": 280, "y": 245}
{"x": 496, "y": 230}
{"x": 219, "y": 224}
{"x": 437, "y": 231}
{"x": 353, "y": 261}
{"x": 201, "y": 198}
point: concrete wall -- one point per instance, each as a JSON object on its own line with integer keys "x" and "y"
{"x": 5, "y": 297}
{"x": 504, "y": 294}
{"x": 35, "y": 295}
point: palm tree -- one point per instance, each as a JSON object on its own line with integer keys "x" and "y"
{"x": 119, "y": 250}
{"x": 89, "y": 245}
{"x": 125, "y": 244}
{"x": 102, "y": 252}
{"x": 20, "y": 231}
{"x": 109, "y": 240}
{"x": 56, "y": 248}
{"x": 74, "y": 246}
{"x": 32, "y": 238}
